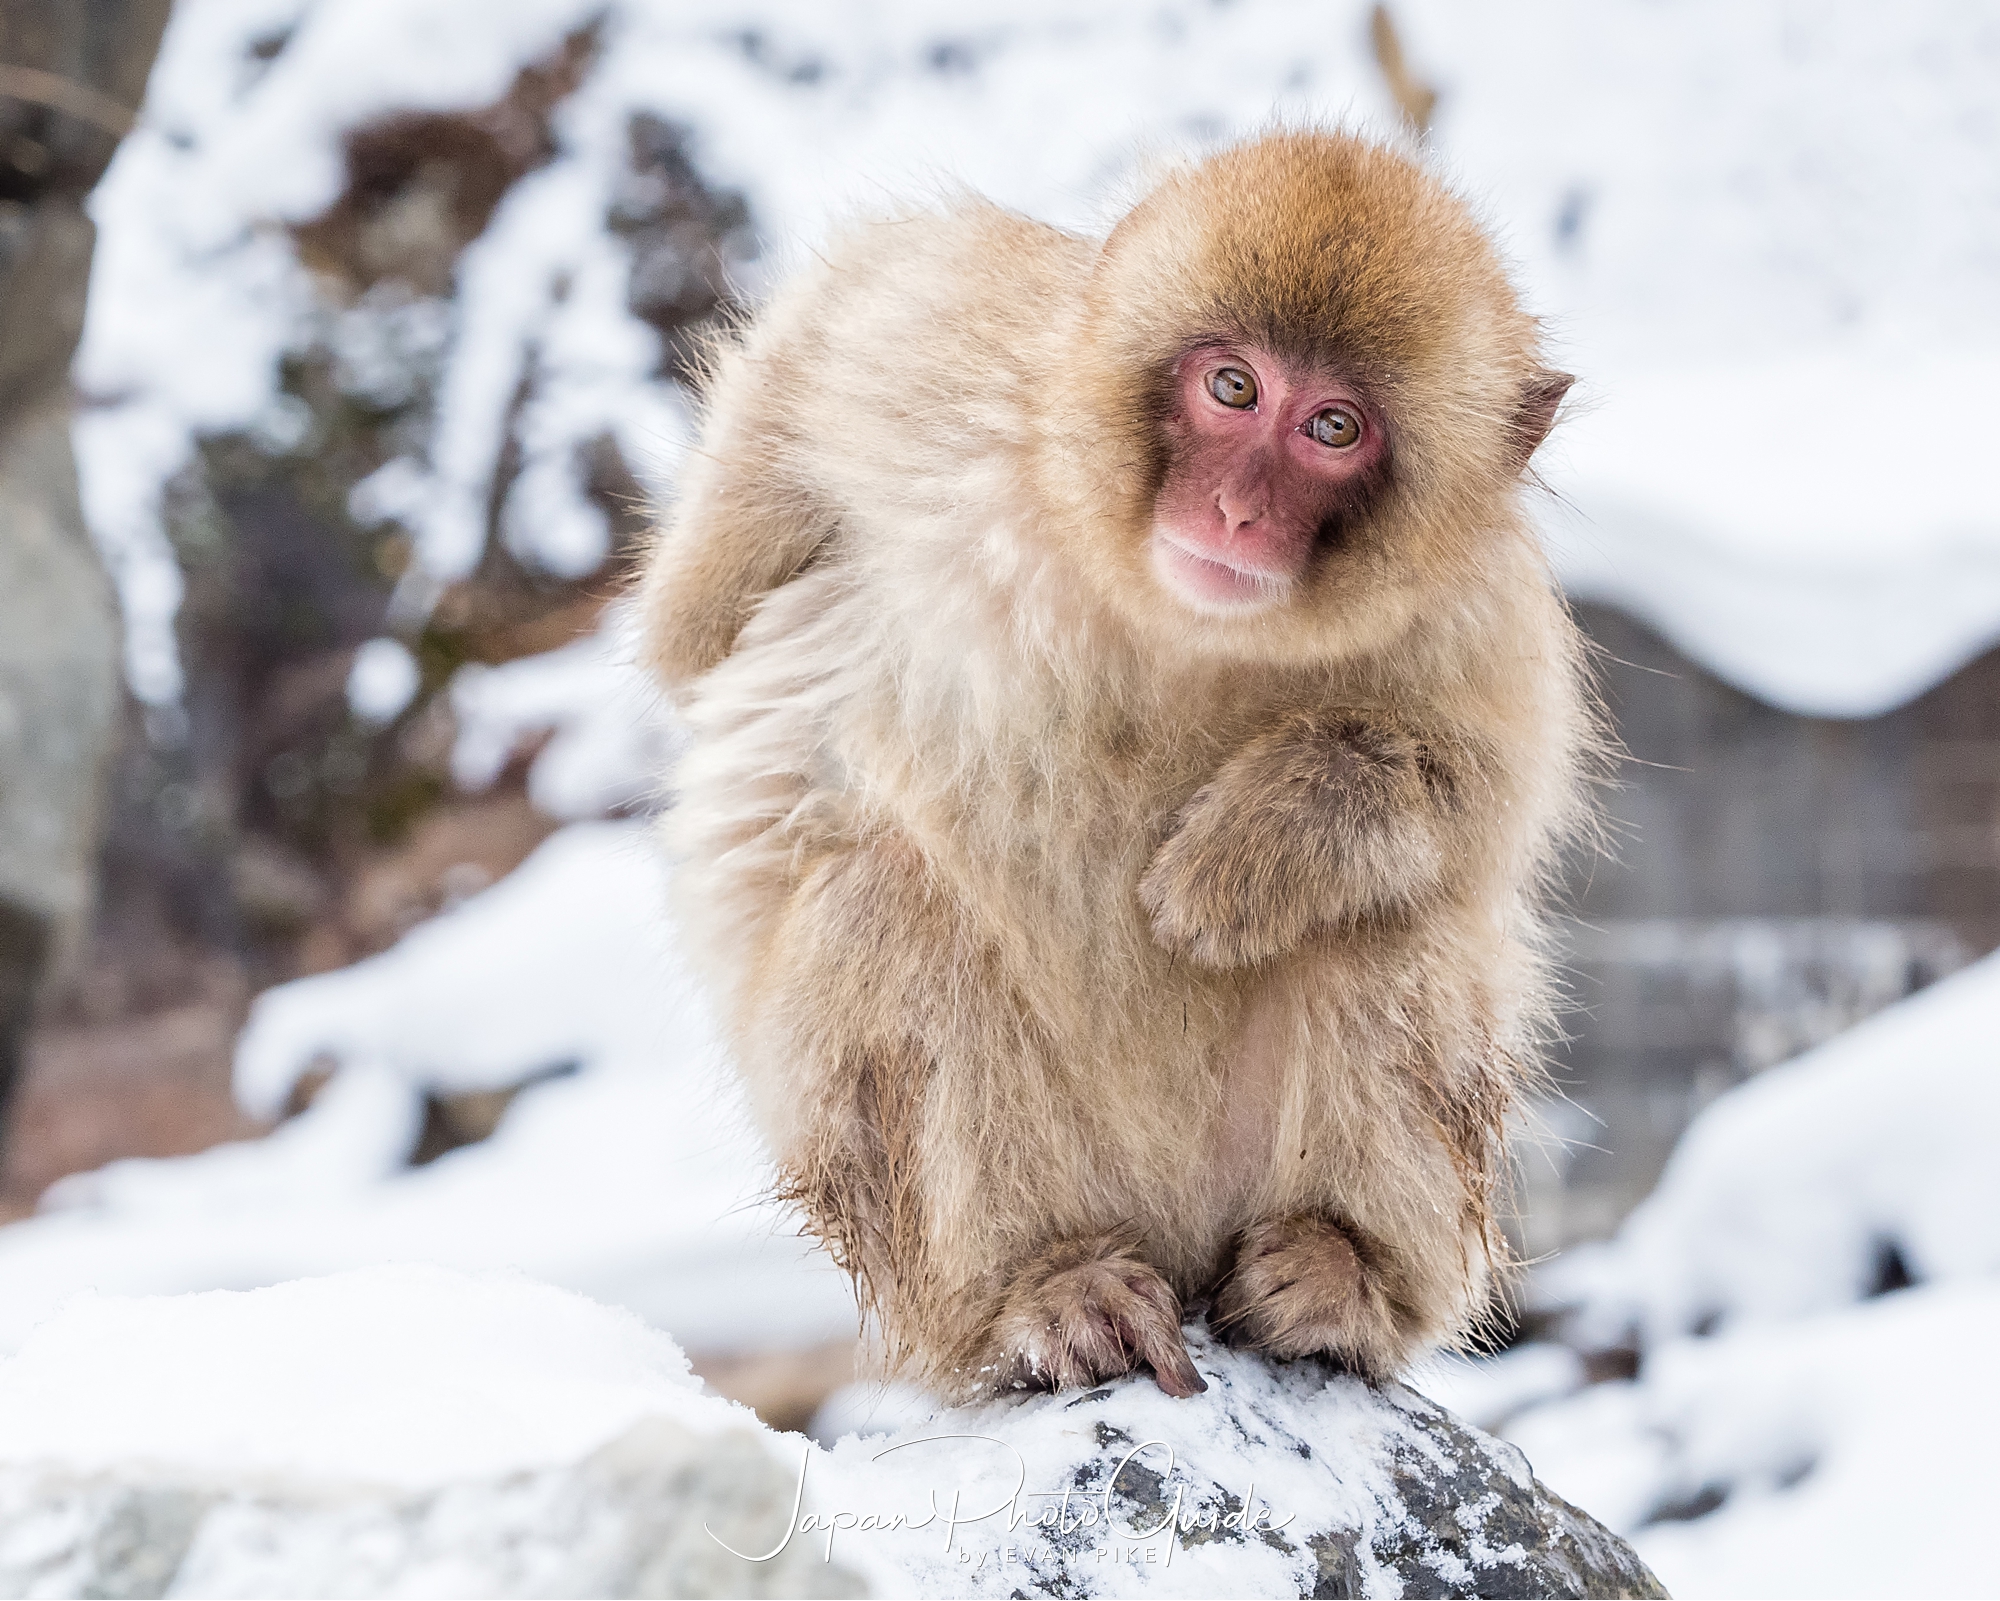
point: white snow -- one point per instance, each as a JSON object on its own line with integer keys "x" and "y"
{"x": 1487, "y": 1391}
{"x": 634, "y": 1178}
{"x": 613, "y": 736}
{"x": 1770, "y": 256}
{"x": 1781, "y": 1196}
{"x": 1851, "y": 1435}
{"x": 395, "y": 1376}
{"x": 383, "y": 680}
{"x": 1820, "y": 529}
{"x": 1856, "y": 1448}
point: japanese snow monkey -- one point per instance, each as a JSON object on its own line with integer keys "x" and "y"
{"x": 1132, "y": 726}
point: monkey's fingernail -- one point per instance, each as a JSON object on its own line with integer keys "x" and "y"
{"x": 1181, "y": 1387}
{"x": 1177, "y": 1376}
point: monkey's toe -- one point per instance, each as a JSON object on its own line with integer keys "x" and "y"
{"x": 1096, "y": 1320}
{"x": 1300, "y": 1287}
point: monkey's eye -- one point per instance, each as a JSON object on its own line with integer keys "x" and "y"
{"x": 1336, "y": 427}
{"x": 1233, "y": 387}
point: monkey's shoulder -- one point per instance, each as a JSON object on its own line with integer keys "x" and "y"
{"x": 968, "y": 254}
{"x": 939, "y": 303}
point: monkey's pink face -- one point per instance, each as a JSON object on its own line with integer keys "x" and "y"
{"x": 1262, "y": 456}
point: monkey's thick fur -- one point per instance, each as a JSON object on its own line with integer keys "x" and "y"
{"x": 1088, "y": 957}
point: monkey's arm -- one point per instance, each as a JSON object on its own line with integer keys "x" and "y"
{"x": 1326, "y": 819}
{"x": 742, "y": 523}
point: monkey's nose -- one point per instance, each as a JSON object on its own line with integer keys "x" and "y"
{"x": 1240, "y": 510}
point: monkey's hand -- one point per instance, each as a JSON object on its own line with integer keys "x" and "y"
{"x": 1326, "y": 819}
{"x": 1298, "y": 1285}
{"x": 1089, "y": 1310}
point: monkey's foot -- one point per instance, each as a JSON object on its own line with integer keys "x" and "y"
{"x": 1067, "y": 1323}
{"x": 1298, "y": 1287}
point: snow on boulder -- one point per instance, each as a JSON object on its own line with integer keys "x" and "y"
{"x": 1864, "y": 1163}
{"x": 418, "y": 1431}
{"x": 1281, "y": 1479}
{"x": 389, "y": 1431}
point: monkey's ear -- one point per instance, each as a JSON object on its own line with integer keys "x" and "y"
{"x": 1535, "y": 414}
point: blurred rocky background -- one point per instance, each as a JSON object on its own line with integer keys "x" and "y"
{"x": 293, "y": 808}
{"x": 71, "y": 74}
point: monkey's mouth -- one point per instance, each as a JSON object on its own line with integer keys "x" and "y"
{"x": 1211, "y": 583}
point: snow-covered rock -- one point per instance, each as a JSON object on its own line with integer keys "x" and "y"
{"x": 394, "y": 1431}
{"x": 1281, "y": 1479}
{"x": 417, "y": 1431}
{"x": 630, "y": 1519}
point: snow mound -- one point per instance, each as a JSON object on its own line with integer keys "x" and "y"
{"x": 400, "y": 1376}
{"x": 393, "y": 1431}
{"x": 1846, "y": 1454}
{"x": 1812, "y": 1291}
{"x": 406, "y": 1431}
{"x": 627, "y": 1170}
{"x": 568, "y": 959}
{"x": 1784, "y": 562}
{"x": 1869, "y": 1156}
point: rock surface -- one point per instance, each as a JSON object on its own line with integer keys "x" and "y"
{"x": 409, "y": 1430}
{"x": 1283, "y": 1479}
{"x": 73, "y": 69}
{"x": 629, "y": 1520}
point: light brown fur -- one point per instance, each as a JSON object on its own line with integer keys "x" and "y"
{"x": 1086, "y": 956}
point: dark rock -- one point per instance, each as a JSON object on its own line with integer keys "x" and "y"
{"x": 1283, "y": 1479}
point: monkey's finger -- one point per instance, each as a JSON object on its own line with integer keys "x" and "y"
{"x": 1091, "y": 1341}
{"x": 1174, "y": 1368}
{"x": 1148, "y": 1318}
{"x": 1237, "y": 1316}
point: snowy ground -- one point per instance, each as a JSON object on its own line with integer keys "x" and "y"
{"x": 1850, "y": 1452}
{"x": 632, "y": 1178}
{"x": 1799, "y": 1425}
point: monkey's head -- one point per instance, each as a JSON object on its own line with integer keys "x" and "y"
{"x": 1302, "y": 399}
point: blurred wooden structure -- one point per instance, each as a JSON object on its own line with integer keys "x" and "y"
{"x": 1775, "y": 879}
